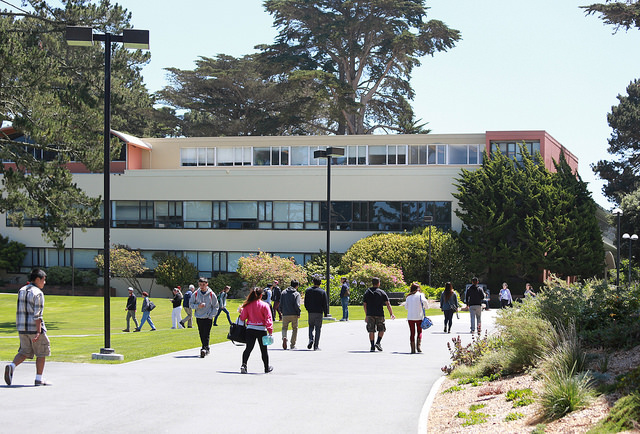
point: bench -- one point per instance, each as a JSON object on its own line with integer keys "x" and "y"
{"x": 395, "y": 298}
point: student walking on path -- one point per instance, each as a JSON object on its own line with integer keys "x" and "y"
{"x": 222, "y": 305}
{"x": 290, "y": 305}
{"x": 31, "y": 329}
{"x": 473, "y": 298}
{"x": 131, "y": 309}
{"x": 146, "y": 313}
{"x": 187, "y": 306}
{"x": 205, "y": 305}
{"x": 344, "y": 299}
{"x": 374, "y": 300}
{"x": 316, "y": 302}
{"x": 176, "y": 302}
{"x": 505, "y": 296}
{"x": 257, "y": 314}
{"x": 448, "y": 305}
{"x": 415, "y": 304}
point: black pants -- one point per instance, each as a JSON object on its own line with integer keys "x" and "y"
{"x": 204, "y": 328}
{"x": 252, "y": 337}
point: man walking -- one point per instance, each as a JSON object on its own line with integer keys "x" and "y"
{"x": 30, "y": 325}
{"x": 131, "y": 309}
{"x": 205, "y": 304}
{"x": 374, "y": 300}
{"x": 344, "y": 299}
{"x": 316, "y": 302}
{"x": 290, "y": 305}
{"x": 473, "y": 298}
{"x": 186, "y": 300}
{"x": 222, "y": 305}
{"x": 276, "y": 296}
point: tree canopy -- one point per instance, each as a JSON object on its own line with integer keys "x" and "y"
{"x": 53, "y": 95}
{"x": 519, "y": 219}
{"x": 623, "y": 15}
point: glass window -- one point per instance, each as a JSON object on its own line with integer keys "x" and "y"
{"x": 284, "y": 156}
{"x": 474, "y": 152}
{"x": 281, "y": 211}
{"x": 436, "y": 154}
{"x": 299, "y": 155}
{"x": 205, "y": 261}
{"x": 391, "y": 154}
{"x": 457, "y": 154}
{"x": 83, "y": 258}
{"x": 243, "y": 210}
{"x": 168, "y": 214}
{"x": 261, "y": 156}
{"x": 225, "y": 156}
{"x": 126, "y": 210}
{"x": 188, "y": 157}
{"x": 387, "y": 215}
{"x": 377, "y": 155}
{"x": 242, "y": 156}
{"x": 418, "y": 154}
{"x": 197, "y": 214}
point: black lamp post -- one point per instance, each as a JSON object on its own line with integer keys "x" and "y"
{"x": 133, "y": 39}
{"x": 617, "y": 212}
{"x": 631, "y": 238}
{"x": 329, "y": 153}
{"x": 429, "y": 219}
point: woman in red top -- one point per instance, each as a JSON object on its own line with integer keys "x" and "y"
{"x": 257, "y": 314}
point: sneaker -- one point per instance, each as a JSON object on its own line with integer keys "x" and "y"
{"x": 316, "y": 349}
{"x": 153, "y": 330}
{"x": 182, "y": 324}
{"x": 309, "y": 345}
{"x": 284, "y": 343}
{"x": 243, "y": 369}
{"x": 207, "y": 351}
{"x": 136, "y": 330}
{"x": 293, "y": 347}
{"x": 42, "y": 382}
{"x": 125, "y": 330}
{"x": 216, "y": 325}
{"x": 268, "y": 369}
{"x": 203, "y": 353}
{"x": 373, "y": 349}
{"x": 378, "y": 346}
{"x": 8, "y": 374}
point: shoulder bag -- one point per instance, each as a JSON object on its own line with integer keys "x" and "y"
{"x": 426, "y": 322}
{"x": 238, "y": 332}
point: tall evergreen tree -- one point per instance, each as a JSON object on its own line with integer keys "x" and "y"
{"x": 625, "y": 14}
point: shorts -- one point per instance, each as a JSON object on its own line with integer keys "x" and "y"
{"x": 375, "y": 323}
{"x": 40, "y": 348}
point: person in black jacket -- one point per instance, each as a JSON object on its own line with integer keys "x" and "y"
{"x": 131, "y": 309}
{"x": 316, "y": 303}
{"x": 473, "y": 298}
{"x": 290, "y": 304}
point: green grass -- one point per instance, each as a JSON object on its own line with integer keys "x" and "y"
{"x": 75, "y": 326}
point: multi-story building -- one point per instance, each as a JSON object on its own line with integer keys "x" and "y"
{"x": 216, "y": 199}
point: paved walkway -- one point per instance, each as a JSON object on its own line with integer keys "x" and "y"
{"x": 342, "y": 388}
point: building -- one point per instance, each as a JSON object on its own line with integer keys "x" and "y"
{"x": 218, "y": 199}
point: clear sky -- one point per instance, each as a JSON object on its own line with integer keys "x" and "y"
{"x": 521, "y": 65}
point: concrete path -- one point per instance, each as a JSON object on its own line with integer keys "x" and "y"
{"x": 343, "y": 388}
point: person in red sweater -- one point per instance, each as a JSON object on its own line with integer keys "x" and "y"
{"x": 257, "y": 314}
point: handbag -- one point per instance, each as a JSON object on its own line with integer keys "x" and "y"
{"x": 238, "y": 332}
{"x": 426, "y": 322}
{"x": 151, "y": 306}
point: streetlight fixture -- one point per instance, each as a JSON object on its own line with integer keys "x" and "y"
{"x": 132, "y": 39}
{"x": 617, "y": 212}
{"x": 631, "y": 238}
{"x": 329, "y": 153}
{"x": 429, "y": 219}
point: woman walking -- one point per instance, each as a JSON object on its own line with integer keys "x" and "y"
{"x": 177, "y": 309}
{"x": 448, "y": 305}
{"x": 146, "y": 313}
{"x": 415, "y": 304}
{"x": 257, "y": 314}
{"x": 505, "y": 296}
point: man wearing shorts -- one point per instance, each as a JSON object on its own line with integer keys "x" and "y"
{"x": 374, "y": 300}
{"x": 30, "y": 325}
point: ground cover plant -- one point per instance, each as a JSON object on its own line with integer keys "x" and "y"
{"x": 75, "y": 328}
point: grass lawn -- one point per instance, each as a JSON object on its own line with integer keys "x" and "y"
{"x": 75, "y": 328}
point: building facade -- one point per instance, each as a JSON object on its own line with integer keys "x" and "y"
{"x": 215, "y": 200}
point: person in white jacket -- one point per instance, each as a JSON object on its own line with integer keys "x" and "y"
{"x": 505, "y": 296}
{"x": 415, "y": 303}
{"x": 205, "y": 306}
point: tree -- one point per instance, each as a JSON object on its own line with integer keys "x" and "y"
{"x": 228, "y": 96}
{"x": 358, "y": 56}
{"x": 173, "y": 271}
{"x": 53, "y": 94}
{"x": 127, "y": 264}
{"x": 622, "y": 172}
{"x": 12, "y": 253}
{"x": 264, "y": 268}
{"x": 619, "y": 14}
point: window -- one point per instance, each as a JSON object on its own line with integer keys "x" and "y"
{"x": 458, "y": 154}
{"x": 261, "y": 156}
{"x": 242, "y": 215}
{"x": 198, "y": 156}
{"x": 356, "y": 155}
{"x": 168, "y": 214}
{"x": 418, "y": 154}
{"x": 132, "y": 213}
{"x": 197, "y": 214}
{"x": 436, "y": 154}
{"x": 300, "y": 156}
{"x": 377, "y": 155}
{"x": 512, "y": 149}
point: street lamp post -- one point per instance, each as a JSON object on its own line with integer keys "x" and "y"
{"x": 133, "y": 39}
{"x": 329, "y": 153}
{"x": 617, "y": 212}
{"x": 631, "y": 238}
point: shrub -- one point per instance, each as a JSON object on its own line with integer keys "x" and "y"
{"x": 520, "y": 397}
{"x": 625, "y": 415}
{"x": 258, "y": 270}
{"x": 391, "y": 277}
{"x": 62, "y": 276}
{"x": 513, "y": 416}
{"x": 466, "y": 355}
{"x": 567, "y": 354}
{"x": 564, "y": 392}
{"x": 218, "y": 282}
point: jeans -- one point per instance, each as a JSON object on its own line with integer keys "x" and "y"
{"x": 448, "y": 318}
{"x": 253, "y": 336}
{"x": 315, "y": 322}
{"x": 293, "y": 319}
{"x": 345, "y": 307}
{"x": 475, "y": 312}
{"x": 222, "y": 309}
{"x": 204, "y": 329}
{"x": 131, "y": 314}
{"x": 146, "y": 316}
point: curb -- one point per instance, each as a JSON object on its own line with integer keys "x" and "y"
{"x": 423, "y": 422}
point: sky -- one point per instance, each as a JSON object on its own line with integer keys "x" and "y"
{"x": 520, "y": 65}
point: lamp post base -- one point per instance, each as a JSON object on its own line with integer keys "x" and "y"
{"x": 107, "y": 354}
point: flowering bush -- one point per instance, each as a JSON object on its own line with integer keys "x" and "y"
{"x": 264, "y": 268}
{"x": 391, "y": 277}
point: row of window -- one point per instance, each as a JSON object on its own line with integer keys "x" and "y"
{"x": 302, "y": 215}
{"x": 207, "y": 262}
{"x": 363, "y": 155}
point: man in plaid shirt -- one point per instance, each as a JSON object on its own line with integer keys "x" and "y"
{"x": 30, "y": 325}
